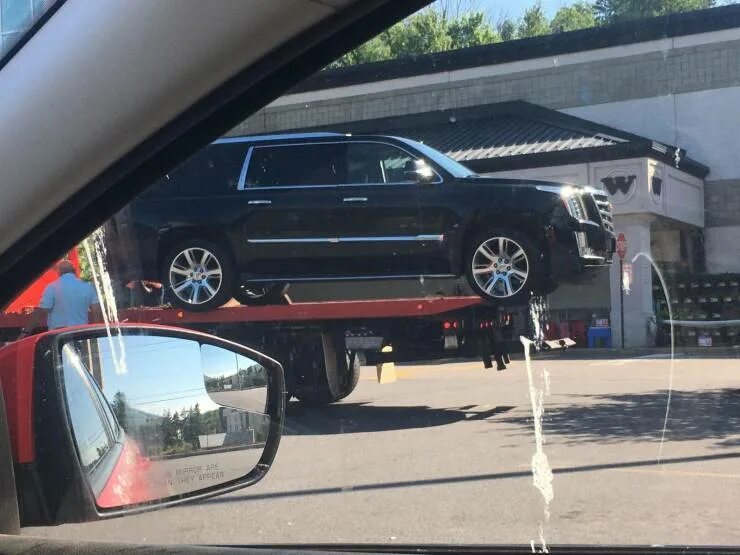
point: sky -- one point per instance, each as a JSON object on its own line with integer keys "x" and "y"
{"x": 498, "y": 9}
{"x": 161, "y": 373}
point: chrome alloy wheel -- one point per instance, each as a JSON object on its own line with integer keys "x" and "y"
{"x": 500, "y": 267}
{"x": 195, "y": 275}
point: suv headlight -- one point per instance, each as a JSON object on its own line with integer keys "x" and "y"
{"x": 575, "y": 207}
{"x": 571, "y": 198}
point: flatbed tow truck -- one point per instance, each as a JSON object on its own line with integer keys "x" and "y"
{"x": 322, "y": 344}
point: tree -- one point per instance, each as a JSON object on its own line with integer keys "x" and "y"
{"x": 373, "y": 50}
{"x": 119, "y": 409}
{"x": 168, "y": 430}
{"x": 452, "y": 24}
{"x": 571, "y": 18}
{"x": 192, "y": 425}
{"x": 444, "y": 26}
{"x": 534, "y": 22}
{"x": 471, "y": 29}
{"x": 613, "y": 11}
{"x": 177, "y": 426}
{"x": 422, "y": 33}
{"x": 507, "y": 29}
{"x": 454, "y": 9}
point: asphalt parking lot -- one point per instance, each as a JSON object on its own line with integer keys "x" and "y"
{"x": 443, "y": 455}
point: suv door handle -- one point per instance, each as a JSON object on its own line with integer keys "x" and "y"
{"x": 260, "y": 202}
{"x": 354, "y": 199}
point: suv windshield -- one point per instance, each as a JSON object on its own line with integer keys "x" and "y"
{"x": 509, "y": 359}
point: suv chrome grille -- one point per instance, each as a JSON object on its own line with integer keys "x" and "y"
{"x": 605, "y": 210}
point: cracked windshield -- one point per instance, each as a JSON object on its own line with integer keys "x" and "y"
{"x": 496, "y": 250}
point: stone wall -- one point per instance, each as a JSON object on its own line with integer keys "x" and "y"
{"x": 564, "y": 82}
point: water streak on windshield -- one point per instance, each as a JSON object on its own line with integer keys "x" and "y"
{"x": 95, "y": 252}
{"x": 542, "y": 476}
{"x": 673, "y": 346}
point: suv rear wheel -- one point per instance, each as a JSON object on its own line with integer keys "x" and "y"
{"x": 503, "y": 267}
{"x": 198, "y": 275}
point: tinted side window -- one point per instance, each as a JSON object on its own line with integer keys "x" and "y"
{"x": 212, "y": 171}
{"x": 313, "y": 164}
{"x": 377, "y": 163}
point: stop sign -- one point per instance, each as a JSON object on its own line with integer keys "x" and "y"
{"x": 621, "y": 245}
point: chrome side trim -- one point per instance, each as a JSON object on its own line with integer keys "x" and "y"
{"x": 436, "y": 238}
{"x": 350, "y": 278}
{"x": 296, "y": 240}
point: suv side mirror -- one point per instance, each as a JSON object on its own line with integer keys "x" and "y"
{"x": 105, "y": 425}
{"x": 420, "y": 173}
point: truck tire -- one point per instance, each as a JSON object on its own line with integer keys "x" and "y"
{"x": 198, "y": 275}
{"x": 320, "y": 393}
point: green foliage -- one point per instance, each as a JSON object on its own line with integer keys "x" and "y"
{"x": 471, "y": 29}
{"x": 507, "y": 30}
{"x": 178, "y": 432}
{"x": 534, "y": 22}
{"x": 613, "y": 11}
{"x": 452, "y": 24}
{"x": 571, "y": 18}
{"x": 168, "y": 430}
{"x": 374, "y": 50}
{"x": 422, "y": 33}
{"x": 427, "y": 31}
{"x": 85, "y": 271}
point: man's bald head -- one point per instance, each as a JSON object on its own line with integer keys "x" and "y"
{"x": 65, "y": 267}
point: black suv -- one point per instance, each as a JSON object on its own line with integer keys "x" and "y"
{"x": 247, "y": 215}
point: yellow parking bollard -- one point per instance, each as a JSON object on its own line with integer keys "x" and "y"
{"x": 386, "y": 370}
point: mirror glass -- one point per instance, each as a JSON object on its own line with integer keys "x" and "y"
{"x": 155, "y": 416}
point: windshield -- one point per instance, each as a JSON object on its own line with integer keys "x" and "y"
{"x": 450, "y": 165}
{"x": 510, "y": 364}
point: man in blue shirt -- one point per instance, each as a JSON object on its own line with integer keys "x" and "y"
{"x": 65, "y": 302}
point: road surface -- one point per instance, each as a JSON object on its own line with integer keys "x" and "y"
{"x": 444, "y": 455}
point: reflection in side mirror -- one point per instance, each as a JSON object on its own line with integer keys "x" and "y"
{"x": 158, "y": 415}
{"x": 421, "y": 173}
{"x": 233, "y": 380}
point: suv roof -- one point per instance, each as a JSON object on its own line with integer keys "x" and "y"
{"x": 277, "y": 137}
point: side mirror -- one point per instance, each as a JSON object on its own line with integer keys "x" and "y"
{"x": 105, "y": 425}
{"x": 421, "y": 173}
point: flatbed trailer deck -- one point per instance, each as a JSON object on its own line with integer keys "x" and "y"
{"x": 321, "y": 344}
{"x": 304, "y": 312}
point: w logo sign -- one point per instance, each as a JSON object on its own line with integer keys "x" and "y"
{"x": 621, "y": 183}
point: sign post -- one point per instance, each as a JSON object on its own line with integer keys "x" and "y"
{"x": 621, "y": 251}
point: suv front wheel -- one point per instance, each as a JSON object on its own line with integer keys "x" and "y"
{"x": 198, "y": 275}
{"x": 503, "y": 267}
